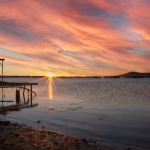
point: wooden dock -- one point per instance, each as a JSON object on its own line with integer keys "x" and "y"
{"x": 15, "y": 84}
{"x": 19, "y": 105}
{"x": 18, "y": 84}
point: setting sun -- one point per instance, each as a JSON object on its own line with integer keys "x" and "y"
{"x": 50, "y": 75}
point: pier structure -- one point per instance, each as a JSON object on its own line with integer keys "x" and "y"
{"x": 16, "y": 84}
{"x": 2, "y": 67}
{"x": 18, "y": 105}
{"x": 20, "y": 84}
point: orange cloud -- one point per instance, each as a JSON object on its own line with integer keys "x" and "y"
{"x": 78, "y": 37}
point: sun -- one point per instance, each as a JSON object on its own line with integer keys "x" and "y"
{"x": 50, "y": 75}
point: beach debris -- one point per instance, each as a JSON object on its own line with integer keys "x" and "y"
{"x": 74, "y": 104}
{"x": 73, "y": 108}
{"x": 16, "y": 134}
{"x": 5, "y": 123}
{"x": 15, "y": 124}
{"x": 38, "y": 121}
{"x": 101, "y": 118}
{"x": 62, "y": 111}
{"x": 84, "y": 140}
{"x": 50, "y": 108}
{"x": 80, "y": 107}
{"x": 92, "y": 141}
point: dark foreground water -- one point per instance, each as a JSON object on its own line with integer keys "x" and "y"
{"x": 112, "y": 111}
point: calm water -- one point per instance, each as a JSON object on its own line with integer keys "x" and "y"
{"x": 112, "y": 111}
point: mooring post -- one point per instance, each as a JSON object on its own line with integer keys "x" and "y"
{"x": 2, "y": 67}
{"x": 17, "y": 96}
{"x": 2, "y": 71}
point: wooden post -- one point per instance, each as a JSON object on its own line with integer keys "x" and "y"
{"x": 17, "y": 96}
{"x": 2, "y": 68}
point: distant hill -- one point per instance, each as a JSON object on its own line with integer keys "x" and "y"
{"x": 135, "y": 75}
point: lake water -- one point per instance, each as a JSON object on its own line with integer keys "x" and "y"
{"x": 111, "y": 111}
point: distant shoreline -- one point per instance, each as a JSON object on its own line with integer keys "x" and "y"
{"x": 127, "y": 75}
{"x": 75, "y": 77}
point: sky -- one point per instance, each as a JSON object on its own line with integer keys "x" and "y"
{"x": 74, "y": 37}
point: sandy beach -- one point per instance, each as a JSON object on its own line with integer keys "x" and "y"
{"x": 14, "y": 136}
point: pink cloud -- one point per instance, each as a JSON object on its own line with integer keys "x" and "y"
{"x": 77, "y": 37}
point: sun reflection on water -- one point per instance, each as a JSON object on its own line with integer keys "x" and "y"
{"x": 50, "y": 76}
{"x": 50, "y": 88}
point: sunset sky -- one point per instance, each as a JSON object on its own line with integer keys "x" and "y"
{"x": 74, "y": 37}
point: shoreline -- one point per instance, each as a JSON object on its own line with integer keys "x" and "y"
{"x": 25, "y": 137}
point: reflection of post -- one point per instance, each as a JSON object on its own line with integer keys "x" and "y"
{"x": 31, "y": 94}
{"x": 28, "y": 96}
{"x": 23, "y": 93}
{"x": 2, "y": 96}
